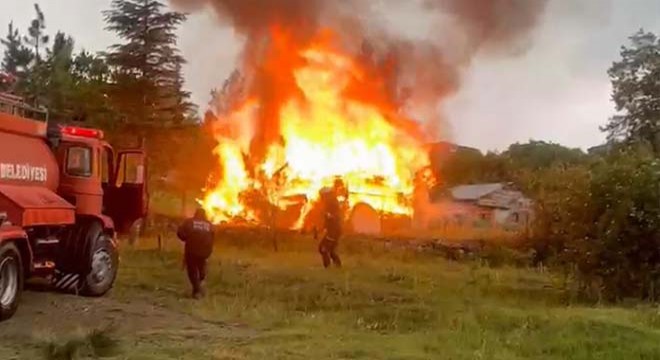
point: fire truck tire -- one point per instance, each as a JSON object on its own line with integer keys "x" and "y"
{"x": 103, "y": 262}
{"x": 11, "y": 280}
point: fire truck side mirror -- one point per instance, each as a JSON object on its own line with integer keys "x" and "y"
{"x": 53, "y": 134}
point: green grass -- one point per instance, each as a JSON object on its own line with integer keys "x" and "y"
{"x": 384, "y": 304}
{"x": 96, "y": 343}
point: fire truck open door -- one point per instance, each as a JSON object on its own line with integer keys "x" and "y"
{"x": 126, "y": 194}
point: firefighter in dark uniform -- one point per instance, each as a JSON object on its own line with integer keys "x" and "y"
{"x": 197, "y": 235}
{"x": 332, "y": 222}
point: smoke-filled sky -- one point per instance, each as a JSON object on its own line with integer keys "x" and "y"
{"x": 551, "y": 86}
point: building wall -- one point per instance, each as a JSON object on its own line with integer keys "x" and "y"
{"x": 449, "y": 213}
{"x": 501, "y": 216}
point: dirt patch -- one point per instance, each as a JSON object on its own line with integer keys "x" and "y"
{"x": 46, "y": 315}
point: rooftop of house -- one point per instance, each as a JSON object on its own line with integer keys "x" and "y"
{"x": 494, "y": 195}
{"x": 474, "y": 192}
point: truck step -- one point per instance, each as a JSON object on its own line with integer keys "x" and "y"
{"x": 44, "y": 265}
{"x": 43, "y": 268}
{"x": 66, "y": 282}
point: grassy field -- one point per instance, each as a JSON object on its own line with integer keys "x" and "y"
{"x": 389, "y": 305}
{"x": 383, "y": 304}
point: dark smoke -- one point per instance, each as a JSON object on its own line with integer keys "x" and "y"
{"x": 419, "y": 74}
{"x": 493, "y": 24}
{"x": 254, "y": 17}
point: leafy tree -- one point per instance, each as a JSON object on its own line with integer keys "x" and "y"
{"x": 469, "y": 166}
{"x": 561, "y": 201}
{"x": 536, "y": 155}
{"x": 147, "y": 66}
{"x": 600, "y": 220}
{"x": 454, "y": 165}
{"x": 189, "y": 166}
{"x": 91, "y": 76}
{"x": 636, "y": 92}
{"x": 620, "y": 255}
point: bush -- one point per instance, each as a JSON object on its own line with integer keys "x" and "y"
{"x": 621, "y": 252}
{"x": 603, "y": 223}
{"x": 561, "y": 196}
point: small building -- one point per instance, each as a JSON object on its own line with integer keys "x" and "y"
{"x": 495, "y": 205}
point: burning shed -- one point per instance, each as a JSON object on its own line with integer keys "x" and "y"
{"x": 330, "y": 124}
{"x": 326, "y": 90}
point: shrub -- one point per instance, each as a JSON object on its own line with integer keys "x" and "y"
{"x": 603, "y": 223}
{"x": 561, "y": 196}
{"x": 620, "y": 254}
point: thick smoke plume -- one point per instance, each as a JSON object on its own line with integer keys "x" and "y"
{"x": 418, "y": 73}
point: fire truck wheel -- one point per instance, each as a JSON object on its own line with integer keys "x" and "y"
{"x": 11, "y": 280}
{"x": 103, "y": 263}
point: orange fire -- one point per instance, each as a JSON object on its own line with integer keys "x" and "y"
{"x": 335, "y": 125}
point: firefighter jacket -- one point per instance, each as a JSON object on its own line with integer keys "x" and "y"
{"x": 332, "y": 219}
{"x": 197, "y": 234}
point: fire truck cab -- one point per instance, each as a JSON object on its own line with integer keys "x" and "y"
{"x": 64, "y": 195}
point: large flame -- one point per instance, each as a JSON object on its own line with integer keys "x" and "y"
{"x": 335, "y": 125}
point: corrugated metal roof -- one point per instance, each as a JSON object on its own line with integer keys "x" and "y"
{"x": 501, "y": 199}
{"x": 474, "y": 192}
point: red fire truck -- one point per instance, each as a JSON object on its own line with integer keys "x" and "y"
{"x": 64, "y": 193}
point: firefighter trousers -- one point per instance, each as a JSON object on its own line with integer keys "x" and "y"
{"x": 328, "y": 250}
{"x": 196, "y": 268}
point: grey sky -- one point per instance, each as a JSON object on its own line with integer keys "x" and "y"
{"x": 557, "y": 91}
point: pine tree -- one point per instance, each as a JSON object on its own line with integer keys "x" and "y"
{"x": 17, "y": 57}
{"x": 37, "y": 39}
{"x": 59, "y": 82}
{"x": 148, "y": 81}
{"x": 33, "y": 85}
{"x": 173, "y": 98}
{"x": 225, "y": 100}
